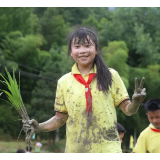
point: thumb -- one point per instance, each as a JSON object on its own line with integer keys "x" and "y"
{"x": 34, "y": 123}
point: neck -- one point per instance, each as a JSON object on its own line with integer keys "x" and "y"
{"x": 156, "y": 127}
{"x": 85, "y": 69}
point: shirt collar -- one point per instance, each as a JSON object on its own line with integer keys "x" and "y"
{"x": 152, "y": 126}
{"x": 75, "y": 69}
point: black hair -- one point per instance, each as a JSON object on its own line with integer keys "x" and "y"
{"x": 120, "y": 128}
{"x": 20, "y": 151}
{"x": 152, "y": 105}
{"x": 104, "y": 77}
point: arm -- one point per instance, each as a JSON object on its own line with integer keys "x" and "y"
{"x": 139, "y": 94}
{"x": 50, "y": 125}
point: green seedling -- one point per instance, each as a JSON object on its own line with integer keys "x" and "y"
{"x": 14, "y": 98}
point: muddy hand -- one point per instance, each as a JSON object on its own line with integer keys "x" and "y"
{"x": 29, "y": 128}
{"x": 139, "y": 92}
{"x": 30, "y": 124}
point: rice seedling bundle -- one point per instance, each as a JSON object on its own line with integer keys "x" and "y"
{"x": 14, "y": 98}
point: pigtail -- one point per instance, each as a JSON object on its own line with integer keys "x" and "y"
{"x": 104, "y": 77}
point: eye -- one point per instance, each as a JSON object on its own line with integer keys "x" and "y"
{"x": 76, "y": 46}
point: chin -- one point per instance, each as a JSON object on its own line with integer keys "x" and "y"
{"x": 157, "y": 125}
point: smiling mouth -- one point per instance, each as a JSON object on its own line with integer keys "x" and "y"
{"x": 83, "y": 57}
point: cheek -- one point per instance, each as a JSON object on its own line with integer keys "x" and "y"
{"x": 150, "y": 119}
{"x": 92, "y": 50}
{"x": 158, "y": 120}
{"x": 74, "y": 57}
{"x": 74, "y": 51}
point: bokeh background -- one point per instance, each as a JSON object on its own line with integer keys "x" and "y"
{"x": 33, "y": 39}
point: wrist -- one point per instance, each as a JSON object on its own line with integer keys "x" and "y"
{"x": 136, "y": 102}
{"x": 133, "y": 108}
{"x": 39, "y": 128}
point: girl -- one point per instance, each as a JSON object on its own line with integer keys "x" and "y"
{"x": 86, "y": 99}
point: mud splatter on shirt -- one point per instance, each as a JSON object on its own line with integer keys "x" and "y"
{"x": 102, "y": 135}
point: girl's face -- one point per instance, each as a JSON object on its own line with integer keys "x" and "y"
{"x": 154, "y": 117}
{"x": 83, "y": 52}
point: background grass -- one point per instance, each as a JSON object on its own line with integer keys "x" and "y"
{"x": 13, "y": 146}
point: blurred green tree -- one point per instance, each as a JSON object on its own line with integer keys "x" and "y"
{"x": 115, "y": 56}
{"x": 43, "y": 95}
{"x": 54, "y": 28}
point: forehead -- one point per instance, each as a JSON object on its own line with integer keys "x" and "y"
{"x": 153, "y": 113}
{"x": 83, "y": 40}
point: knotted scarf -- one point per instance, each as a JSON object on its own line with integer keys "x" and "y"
{"x": 154, "y": 129}
{"x": 88, "y": 94}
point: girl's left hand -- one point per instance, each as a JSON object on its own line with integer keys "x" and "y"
{"x": 139, "y": 92}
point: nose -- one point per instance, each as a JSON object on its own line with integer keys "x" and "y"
{"x": 154, "y": 120}
{"x": 82, "y": 49}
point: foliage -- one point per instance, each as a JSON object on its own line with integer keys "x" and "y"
{"x": 33, "y": 40}
{"x": 15, "y": 18}
{"x": 53, "y": 28}
{"x": 14, "y": 95}
{"x": 115, "y": 56}
{"x": 44, "y": 92}
{"x": 9, "y": 120}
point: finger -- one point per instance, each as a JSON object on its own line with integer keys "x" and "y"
{"x": 34, "y": 122}
{"x": 143, "y": 95}
{"x": 30, "y": 121}
{"x": 23, "y": 121}
{"x": 143, "y": 90}
{"x": 136, "y": 83}
{"x": 142, "y": 82}
{"x": 27, "y": 126}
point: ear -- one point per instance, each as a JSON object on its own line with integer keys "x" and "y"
{"x": 71, "y": 55}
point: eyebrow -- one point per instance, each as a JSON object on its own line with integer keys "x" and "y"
{"x": 82, "y": 41}
{"x": 83, "y": 44}
{"x": 155, "y": 115}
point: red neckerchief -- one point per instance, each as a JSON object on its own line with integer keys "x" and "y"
{"x": 88, "y": 94}
{"x": 155, "y": 130}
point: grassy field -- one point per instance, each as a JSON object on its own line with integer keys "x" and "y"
{"x": 12, "y": 146}
{"x": 58, "y": 147}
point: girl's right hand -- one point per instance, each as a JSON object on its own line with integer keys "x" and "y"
{"x": 31, "y": 125}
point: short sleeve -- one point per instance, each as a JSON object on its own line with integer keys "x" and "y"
{"x": 59, "y": 105}
{"x": 119, "y": 90}
{"x": 140, "y": 146}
